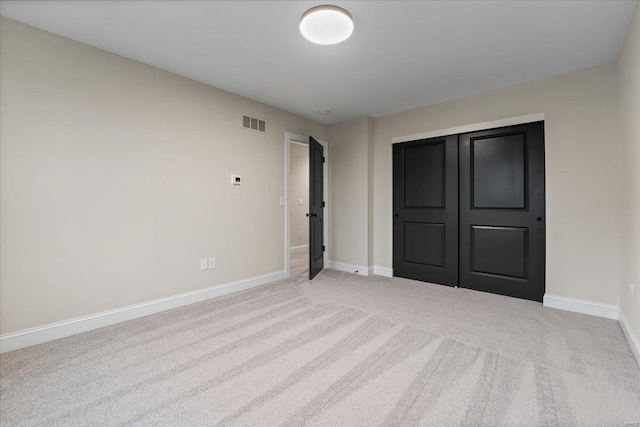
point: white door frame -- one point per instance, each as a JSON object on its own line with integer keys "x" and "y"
{"x": 290, "y": 137}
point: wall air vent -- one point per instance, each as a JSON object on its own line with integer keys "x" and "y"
{"x": 252, "y": 123}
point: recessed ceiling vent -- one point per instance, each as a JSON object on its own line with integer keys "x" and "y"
{"x": 252, "y": 123}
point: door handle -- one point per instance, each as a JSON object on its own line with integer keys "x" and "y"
{"x": 539, "y": 219}
{"x": 311, "y": 215}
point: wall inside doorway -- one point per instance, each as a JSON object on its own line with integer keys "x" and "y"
{"x": 299, "y": 170}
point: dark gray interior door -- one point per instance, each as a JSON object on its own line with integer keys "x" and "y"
{"x": 425, "y": 209}
{"x": 502, "y": 206}
{"x": 316, "y": 204}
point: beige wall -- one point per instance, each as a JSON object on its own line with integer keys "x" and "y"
{"x": 348, "y": 168}
{"x": 115, "y": 181}
{"x": 583, "y": 173}
{"x": 629, "y": 96}
{"x": 299, "y": 173}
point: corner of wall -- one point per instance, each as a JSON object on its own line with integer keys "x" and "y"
{"x": 628, "y": 76}
{"x": 370, "y": 192}
{"x": 351, "y": 204}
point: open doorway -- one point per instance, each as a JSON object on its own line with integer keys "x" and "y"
{"x": 298, "y": 206}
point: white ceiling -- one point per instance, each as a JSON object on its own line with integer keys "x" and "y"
{"x": 401, "y": 55}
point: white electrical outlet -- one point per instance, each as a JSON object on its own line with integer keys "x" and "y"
{"x": 212, "y": 263}
{"x": 281, "y": 201}
{"x": 631, "y": 287}
{"x": 300, "y": 202}
{"x": 299, "y": 234}
{"x": 203, "y": 264}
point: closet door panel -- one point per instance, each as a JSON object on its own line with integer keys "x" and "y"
{"x": 425, "y": 230}
{"x": 502, "y": 231}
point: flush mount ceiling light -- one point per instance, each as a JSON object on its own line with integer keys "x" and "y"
{"x": 326, "y": 24}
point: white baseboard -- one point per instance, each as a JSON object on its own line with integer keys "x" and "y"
{"x": 298, "y": 248}
{"x": 349, "y": 268}
{"x": 632, "y": 339}
{"x": 600, "y": 310}
{"x": 53, "y": 331}
{"x": 381, "y": 271}
{"x": 581, "y": 306}
{"x": 360, "y": 269}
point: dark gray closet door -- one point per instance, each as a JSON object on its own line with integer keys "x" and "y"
{"x": 502, "y": 206}
{"x": 425, "y": 205}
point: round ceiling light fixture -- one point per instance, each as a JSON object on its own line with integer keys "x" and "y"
{"x": 326, "y": 24}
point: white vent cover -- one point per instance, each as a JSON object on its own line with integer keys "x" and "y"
{"x": 252, "y": 123}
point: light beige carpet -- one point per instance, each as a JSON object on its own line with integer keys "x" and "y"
{"x": 342, "y": 350}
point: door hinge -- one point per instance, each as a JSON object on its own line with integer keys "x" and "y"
{"x": 323, "y": 159}
{"x": 324, "y": 204}
{"x": 323, "y": 248}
